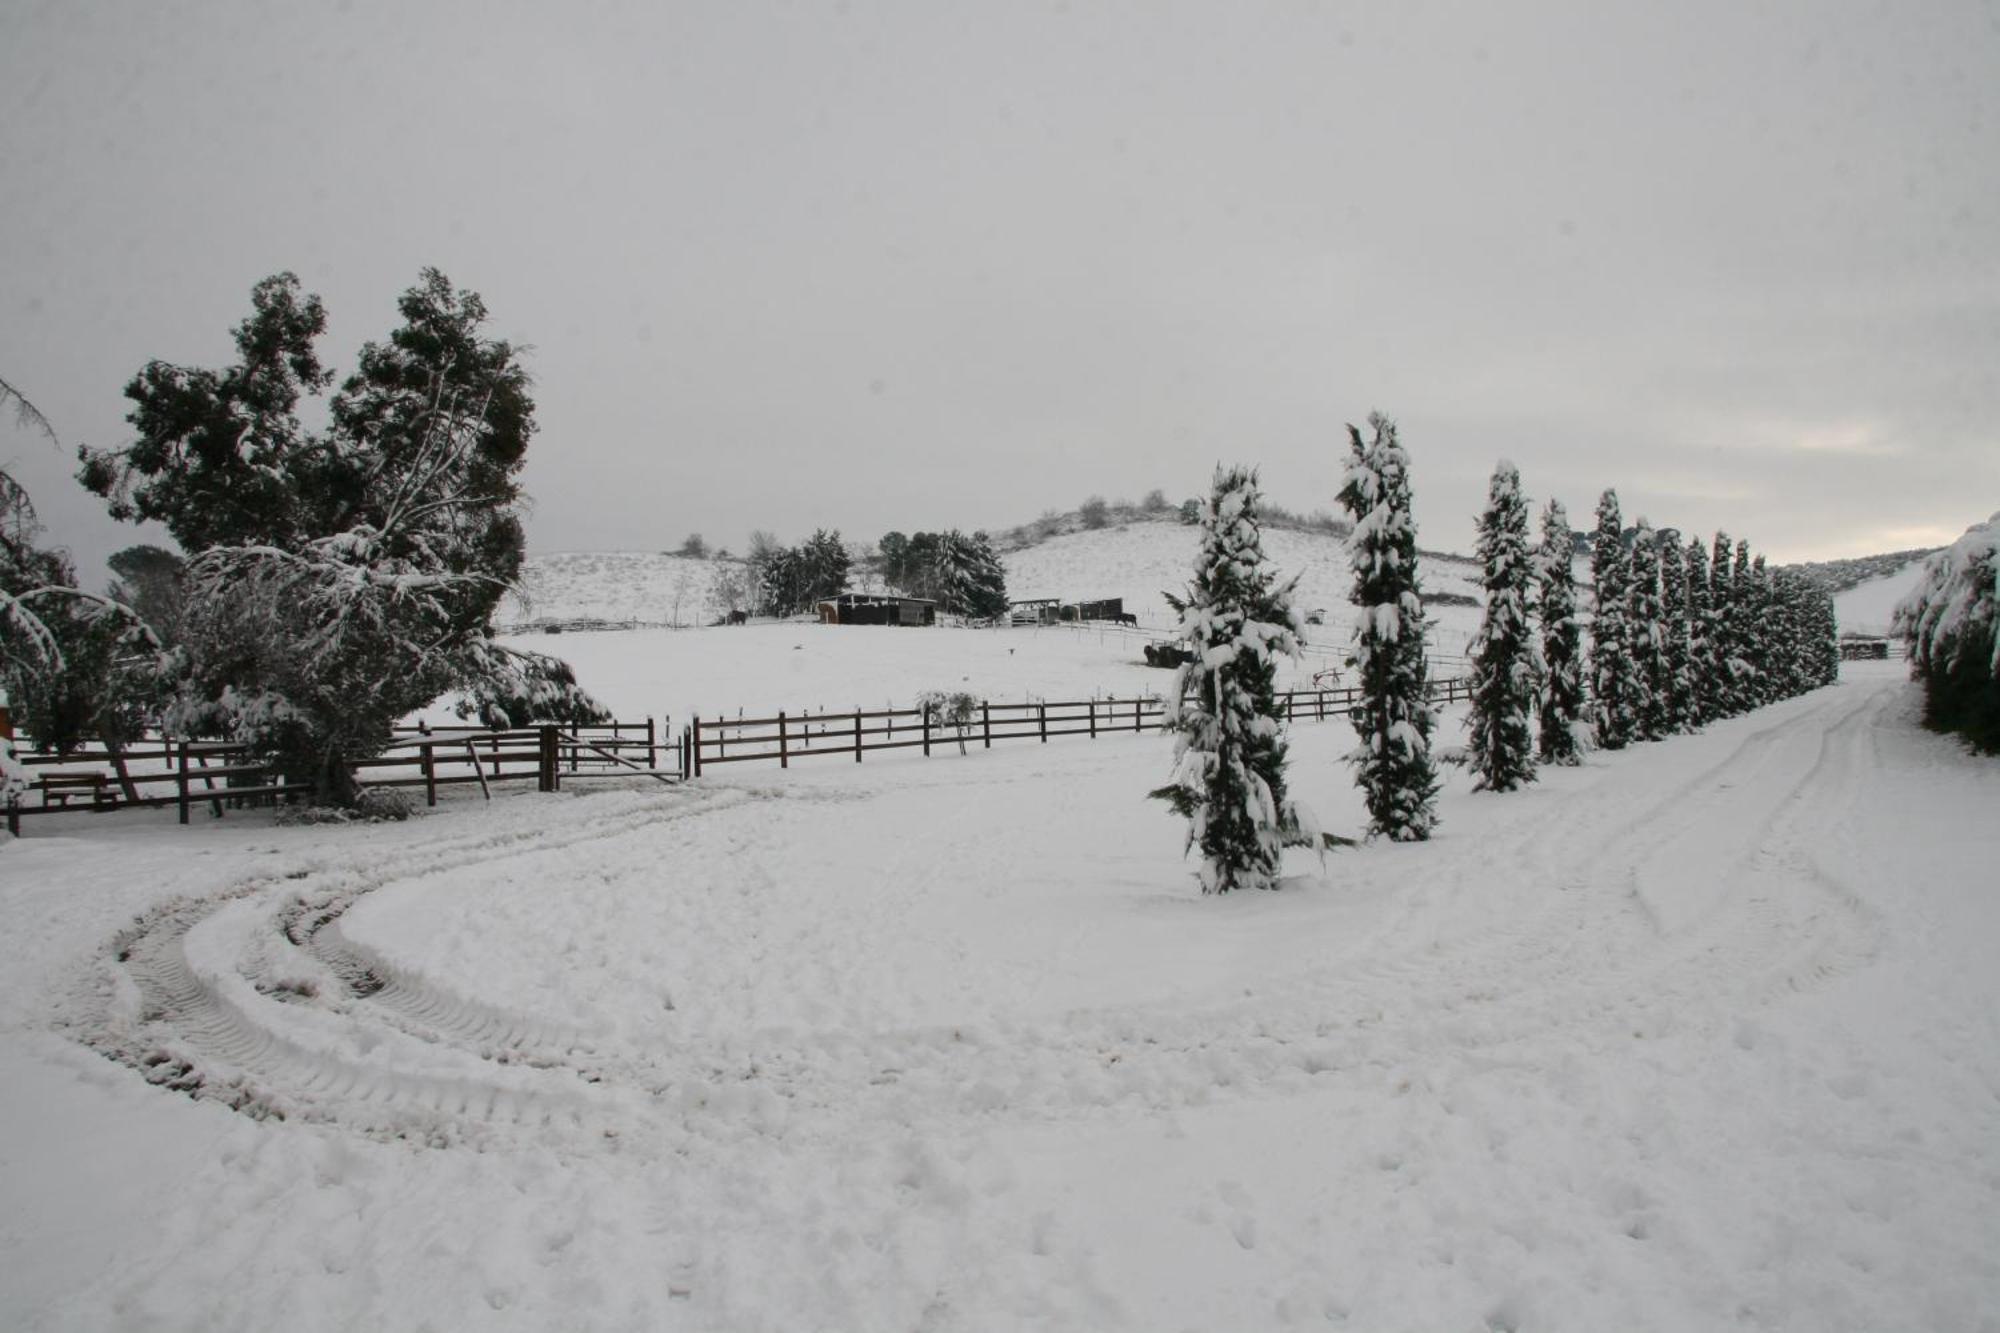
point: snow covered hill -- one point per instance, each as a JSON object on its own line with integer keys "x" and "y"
{"x": 614, "y": 587}
{"x": 1866, "y": 608}
{"x": 1135, "y": 561}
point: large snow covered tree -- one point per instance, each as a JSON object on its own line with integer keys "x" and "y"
{"x": 1562, "y": 641}
{"x": 1676, "y": 642}
{"x": 1704, "y": 666}
{"x": 1506, "y": 661}
{"x": 1745, "y": 688}
{"x": 1613, "y": 690}
{"x": 1229, "y": 755}
{"x": 1393, "y": 717}
{"x": 338, "y": 580}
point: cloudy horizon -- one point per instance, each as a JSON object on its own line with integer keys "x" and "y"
{"x": 874, "y": 267}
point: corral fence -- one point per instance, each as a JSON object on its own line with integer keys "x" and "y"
{"x": 157, "y": 772}
{"x": 784, "y": 737}
{"x": 161, "y": 772}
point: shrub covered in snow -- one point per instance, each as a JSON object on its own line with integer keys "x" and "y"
{"x": 1952, "y": 625}
{"x": 1229, "y": 758}
{"x": 1393, "y": 718}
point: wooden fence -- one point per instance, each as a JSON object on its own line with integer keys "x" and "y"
{"x": 784, "y": 737}
{"x": 160, "y": 772}
{"x": 157, "y": 772}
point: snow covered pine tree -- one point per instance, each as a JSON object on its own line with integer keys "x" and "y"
{"x": 1562, "y": 640}
{"x": 1393, "y": 717}
{"x": 1229, "y": 758}
{"x": 1612, "y": 686}
{"x": 1506, "y": 663}
{"x": 1645, "y": 634}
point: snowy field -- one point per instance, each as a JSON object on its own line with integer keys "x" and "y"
{"x": 1703, "y": 1035}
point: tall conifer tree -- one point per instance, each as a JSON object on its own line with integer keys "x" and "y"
{"x": 1702, "y": 663}
{"x": 1730, "y": 671}
{"x": 1393, "y": 718}
{"x": 1562, "y": 640}
{"x": 1645, "y": 634}
{"x": 1229, "y": 759}
{"x": 1611, "y": 685}
{"x": 1506, "y": 662}
{"x": 1676, "y": 650}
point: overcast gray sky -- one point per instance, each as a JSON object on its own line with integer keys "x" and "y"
{"x": 939, "y": 264}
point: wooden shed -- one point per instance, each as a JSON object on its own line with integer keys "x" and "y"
{"x": 877, "y": 608}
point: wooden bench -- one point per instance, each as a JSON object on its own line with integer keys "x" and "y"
{"x": 59, "y": 788}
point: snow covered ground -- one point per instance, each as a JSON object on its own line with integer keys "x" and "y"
{"x": 1702, "y": 1035}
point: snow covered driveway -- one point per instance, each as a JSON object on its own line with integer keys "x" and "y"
{"x": 1703, "y": 1035}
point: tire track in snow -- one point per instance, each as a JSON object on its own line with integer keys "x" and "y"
{"x": 1594, "y": 957}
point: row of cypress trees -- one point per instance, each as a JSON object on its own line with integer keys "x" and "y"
{"x": 1680, "y": 636}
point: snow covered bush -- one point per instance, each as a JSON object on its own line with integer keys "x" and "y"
{"x": 954, "y": 708}
{"x": 1393, "y": 718}
{"x": 1562, "y": 641}
{"x": 1951, "y": 622}
{"x": 1229, "y": 755}
{"x": 1506, "y": 663}
{"x": 338, "y": 580}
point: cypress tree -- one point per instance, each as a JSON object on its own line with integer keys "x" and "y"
{"x": 1676, "y": 650}
{"x": 1702, "y": 664}
{"x": 1752, "y": 606}
{"x": 1229, "y": 759}
{"x": 1646, "y": 635}
{"x": 1393, "y": 718}
{"x": 1506, "y": 665}
{"x": 1611, "y": 685}
{"x": 1562, "y": 640}
{"x": 1730, "y": 669}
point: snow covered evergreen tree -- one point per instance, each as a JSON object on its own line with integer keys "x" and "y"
{"x": 1613, "y": 689}
{"x": 1767, "y": 679}
{"x": 1732, "y": 671}
{"x": 1676, "y": 648}
{"x": 1704, "y": 667}
{"x": 1506, "y": 661}
{"x": 1229, "y": 756}
{"x": 339, "y": 580}
{"x": 1562, "y": 641}
{"x": 1393, "y": 718}
{"x": 1646, "y": 634}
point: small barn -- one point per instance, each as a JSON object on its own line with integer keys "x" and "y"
{"x": 877, "y": 608}
{"x": 1033, "y": 611}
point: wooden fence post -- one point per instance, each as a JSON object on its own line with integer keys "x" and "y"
{"x": 549, "y": 761}
{"x": 430, "y": 767}
{"x": 1042, "y": 711}
{"x": 857, "y": 733}
{"x": 652, "y": 753}
{"x": 986, "y": 722}
{"x": 694, "y": 745}
{"x": 927, "y": 732}
{"x": 784, "y": 755}
{"x": 1093, "y": 719}
{"x": 182, "y": 775}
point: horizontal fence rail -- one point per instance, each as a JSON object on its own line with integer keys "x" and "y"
{"x": 782, "y": 737}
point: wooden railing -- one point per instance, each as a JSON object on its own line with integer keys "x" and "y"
{"x": 783, "y": 737}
